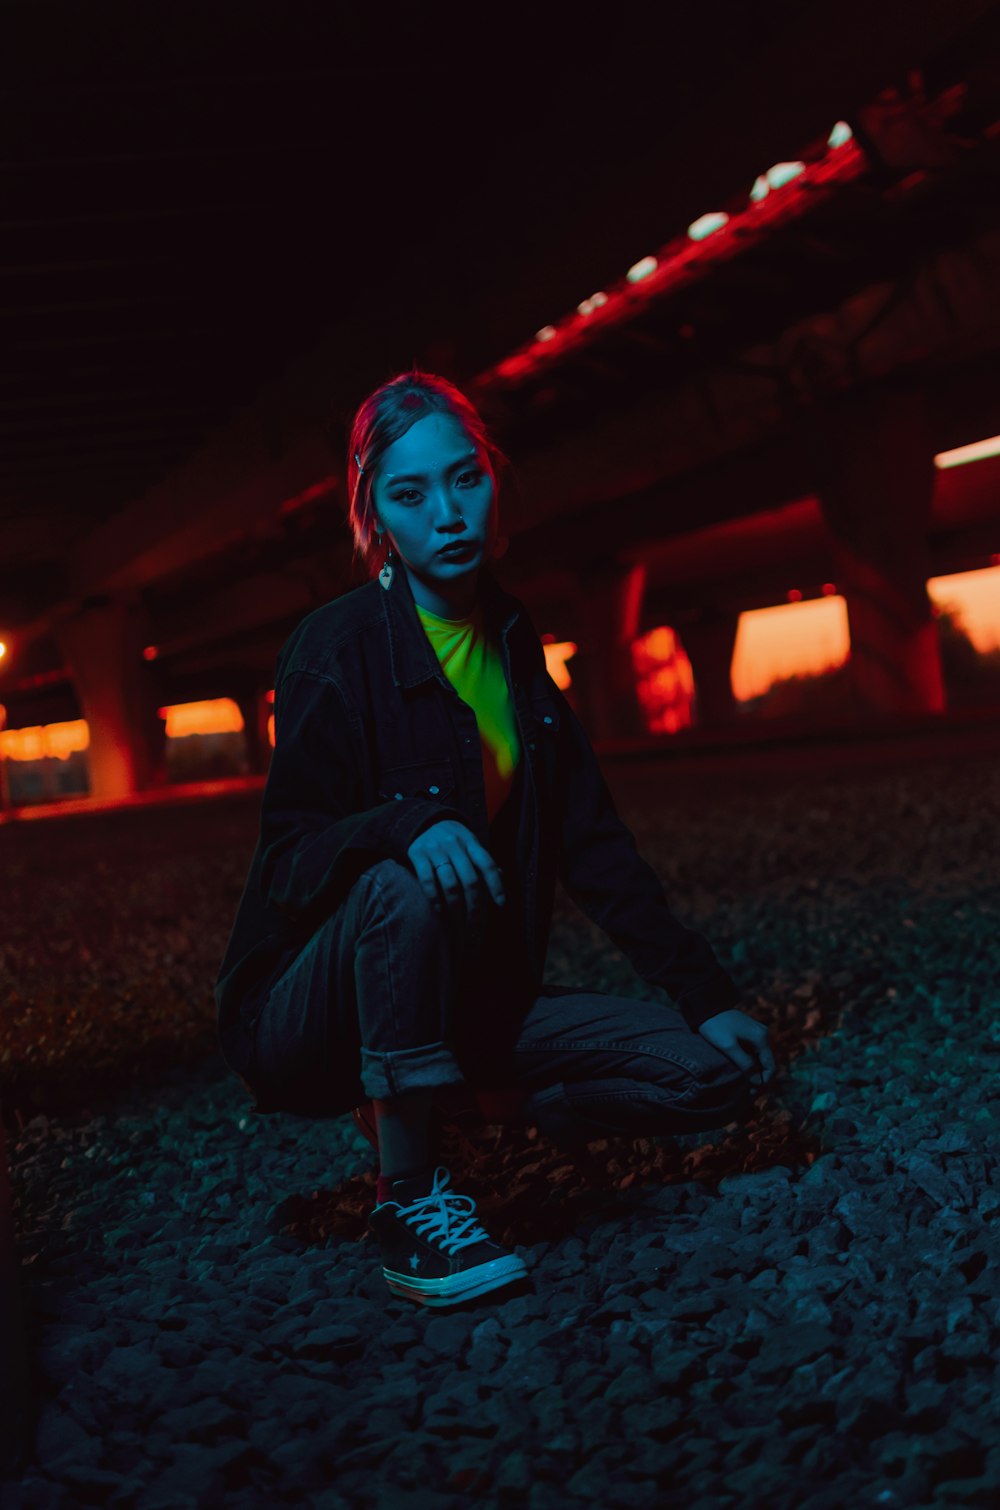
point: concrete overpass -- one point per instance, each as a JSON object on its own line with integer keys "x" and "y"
{"x": 766, "y": 409}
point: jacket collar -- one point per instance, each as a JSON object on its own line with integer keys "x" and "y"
{"x": 411, "y": 654}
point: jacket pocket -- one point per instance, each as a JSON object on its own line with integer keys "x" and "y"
{"x": 434, "y": 779}
{"x": 544, "y": 722}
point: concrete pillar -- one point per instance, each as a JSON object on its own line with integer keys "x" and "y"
{"x": 709, "y": 644}
{"x": 119, "y": 693}
{"x": 609, "y": 611}
{"x": 875, "y": 475}
{"x": 255, "y": 711}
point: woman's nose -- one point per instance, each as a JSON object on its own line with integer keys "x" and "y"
{"x": 449, "y": 514}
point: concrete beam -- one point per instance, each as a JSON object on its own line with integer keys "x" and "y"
{"x": 656, "y": 452}
{"x": 946, "y": 310}
{"x": 231, "y": 487}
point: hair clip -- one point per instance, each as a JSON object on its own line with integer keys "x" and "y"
{"x": 357, "y": 463}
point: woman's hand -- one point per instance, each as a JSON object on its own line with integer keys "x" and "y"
{"x": 454, "y": 868}
{"x": 742, "y": 1039}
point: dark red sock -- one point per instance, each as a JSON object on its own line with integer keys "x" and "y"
{"x": 383, "y": 1190}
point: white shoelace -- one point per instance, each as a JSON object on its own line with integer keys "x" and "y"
{"x": 444, "y": 1216}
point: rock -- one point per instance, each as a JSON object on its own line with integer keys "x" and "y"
{"x": 446, "y": 1336}
{"x": 60, "y": 1440}
{"x": 673, "y": 1367}
{"x": 932, "y": 1179}
{"x": 793, "y": 1344}
{"x": 338, "y": 1341}
{"x": 775, "y": 1305}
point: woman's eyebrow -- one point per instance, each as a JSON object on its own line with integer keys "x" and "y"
{"x": 418, "y": 477}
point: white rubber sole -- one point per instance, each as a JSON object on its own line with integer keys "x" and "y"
{"x": 456, "y": 1287}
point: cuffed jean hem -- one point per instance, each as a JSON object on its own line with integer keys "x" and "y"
{"x": 429, "y": 1066}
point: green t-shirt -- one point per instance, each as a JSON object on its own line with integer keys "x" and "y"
{"x": 474, "y": 666}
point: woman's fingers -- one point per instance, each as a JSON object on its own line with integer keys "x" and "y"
{"x": 447, "y": 878}
{"x": 452, "y": 865}
{"x": 459, "y": 880}
{"x": 765, "y": 1056}
{"x": 763, "y": 1067}
{"x": 424, "y": 872}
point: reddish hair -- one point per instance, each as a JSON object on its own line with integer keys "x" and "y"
{"x": 382, "y": 418}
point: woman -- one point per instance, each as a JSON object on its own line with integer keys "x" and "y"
{"x": 429, "y": 783}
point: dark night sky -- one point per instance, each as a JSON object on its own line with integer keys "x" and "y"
{"x": 196, "y": 194}
{"x": 499, "y": 157}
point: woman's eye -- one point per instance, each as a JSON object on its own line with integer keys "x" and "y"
{"x": 468, "y": 479}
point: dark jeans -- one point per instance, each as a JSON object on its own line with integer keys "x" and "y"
{"x": 388, "y": 996}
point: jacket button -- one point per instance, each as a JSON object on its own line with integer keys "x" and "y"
{"x": 399, "y": 796}
{"x": 433, "y": 790}
{"x": 547, "y": 719}
{"x": 531, "y": 744}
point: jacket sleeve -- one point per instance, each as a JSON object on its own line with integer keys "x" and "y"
{"x": 316, "y": 835}
{"x": 602, "y": 871}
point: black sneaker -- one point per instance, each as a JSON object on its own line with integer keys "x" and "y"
{"x": 433, "y": 1249}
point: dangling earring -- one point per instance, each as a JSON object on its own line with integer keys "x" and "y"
{"x": 385, "y": 575}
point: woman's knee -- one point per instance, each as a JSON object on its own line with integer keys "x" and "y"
{"x": 396, "y": 892}
{"x": 391, "y": 900}
{"x": 722, "y": 1083}
{"x": 393, "y": 887}
{"x": 393, "y": 884}
{"x": 697, "y": 1075}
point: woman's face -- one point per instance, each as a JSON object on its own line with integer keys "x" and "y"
{"x": 432, "y": 486}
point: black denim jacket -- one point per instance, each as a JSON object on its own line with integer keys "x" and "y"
{"x": 373, "y": 745}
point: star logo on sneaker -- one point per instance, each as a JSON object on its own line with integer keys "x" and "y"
{"x": 415, "y": 1262}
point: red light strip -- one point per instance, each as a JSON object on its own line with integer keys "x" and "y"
{"x": 683, "y": 260}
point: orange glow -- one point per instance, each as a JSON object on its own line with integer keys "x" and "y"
{"x": 3, "y": 649}
{"x": 975, "y": 597}
{"x": 664, "y": 680}
{"x": 556, "y": 656}
{"x": 794, "y": 638}
{"x": 55, "y": 740}
{"x": 806, "y": 638}
{"x": 790, "y": 639}
{"x": 219, "y": 715}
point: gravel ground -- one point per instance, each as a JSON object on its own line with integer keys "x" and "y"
{"x": 801, "y": 1312}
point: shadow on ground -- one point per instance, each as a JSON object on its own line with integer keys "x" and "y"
{"x": 528, "y": 1190}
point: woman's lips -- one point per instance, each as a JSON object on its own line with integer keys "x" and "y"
{"x": 457, "y": 549}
